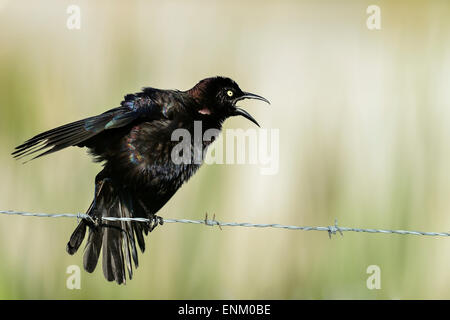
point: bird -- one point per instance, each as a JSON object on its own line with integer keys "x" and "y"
{"x": 134, "y": 143}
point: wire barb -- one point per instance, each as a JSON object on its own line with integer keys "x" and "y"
{"x": 212, "y": 222}
{"x": 331, "y": 230}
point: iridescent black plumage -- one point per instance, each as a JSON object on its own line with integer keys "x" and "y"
{"x": 139, "y": 177}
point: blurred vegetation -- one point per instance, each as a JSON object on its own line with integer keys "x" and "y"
{"x": 364, "y": 127}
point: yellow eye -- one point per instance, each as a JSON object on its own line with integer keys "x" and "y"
{"x": 230, "y": 93}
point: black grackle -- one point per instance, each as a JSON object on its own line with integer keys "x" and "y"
{"x": 139, "y": 175}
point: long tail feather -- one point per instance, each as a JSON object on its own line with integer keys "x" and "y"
{"x": 116, "y": 240}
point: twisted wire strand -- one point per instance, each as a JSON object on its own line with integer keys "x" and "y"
{"x": 330, "y": 229}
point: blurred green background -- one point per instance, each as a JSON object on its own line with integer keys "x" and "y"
{"x": 364, "y": 137}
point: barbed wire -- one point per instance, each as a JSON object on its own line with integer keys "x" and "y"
{"x": 208, "y": 222}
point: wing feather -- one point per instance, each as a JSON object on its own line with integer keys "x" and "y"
{"x": 134, "y": 107}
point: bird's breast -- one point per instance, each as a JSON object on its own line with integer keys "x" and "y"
{"x": 153, "y": 159}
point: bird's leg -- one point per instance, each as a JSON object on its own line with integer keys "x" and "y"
{"x": 153, "y": 219}
{"x": 98, "y": 188}
{"x": 95, "y": 220}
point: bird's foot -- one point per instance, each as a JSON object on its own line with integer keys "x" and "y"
{"x": 93, "y": 221}
{"x": 155, "y": 221}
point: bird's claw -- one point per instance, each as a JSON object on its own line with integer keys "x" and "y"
{"x": 93, "y": 221}
{"x": 155, "y": 221}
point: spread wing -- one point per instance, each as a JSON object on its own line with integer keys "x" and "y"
{"x": 134, "y": 107}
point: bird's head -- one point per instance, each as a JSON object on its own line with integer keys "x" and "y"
{"x": 217, "y": 97}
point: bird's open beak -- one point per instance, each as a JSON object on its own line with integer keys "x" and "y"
{"x": 248, "y": 95}
{"x": 242, "y": 112}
